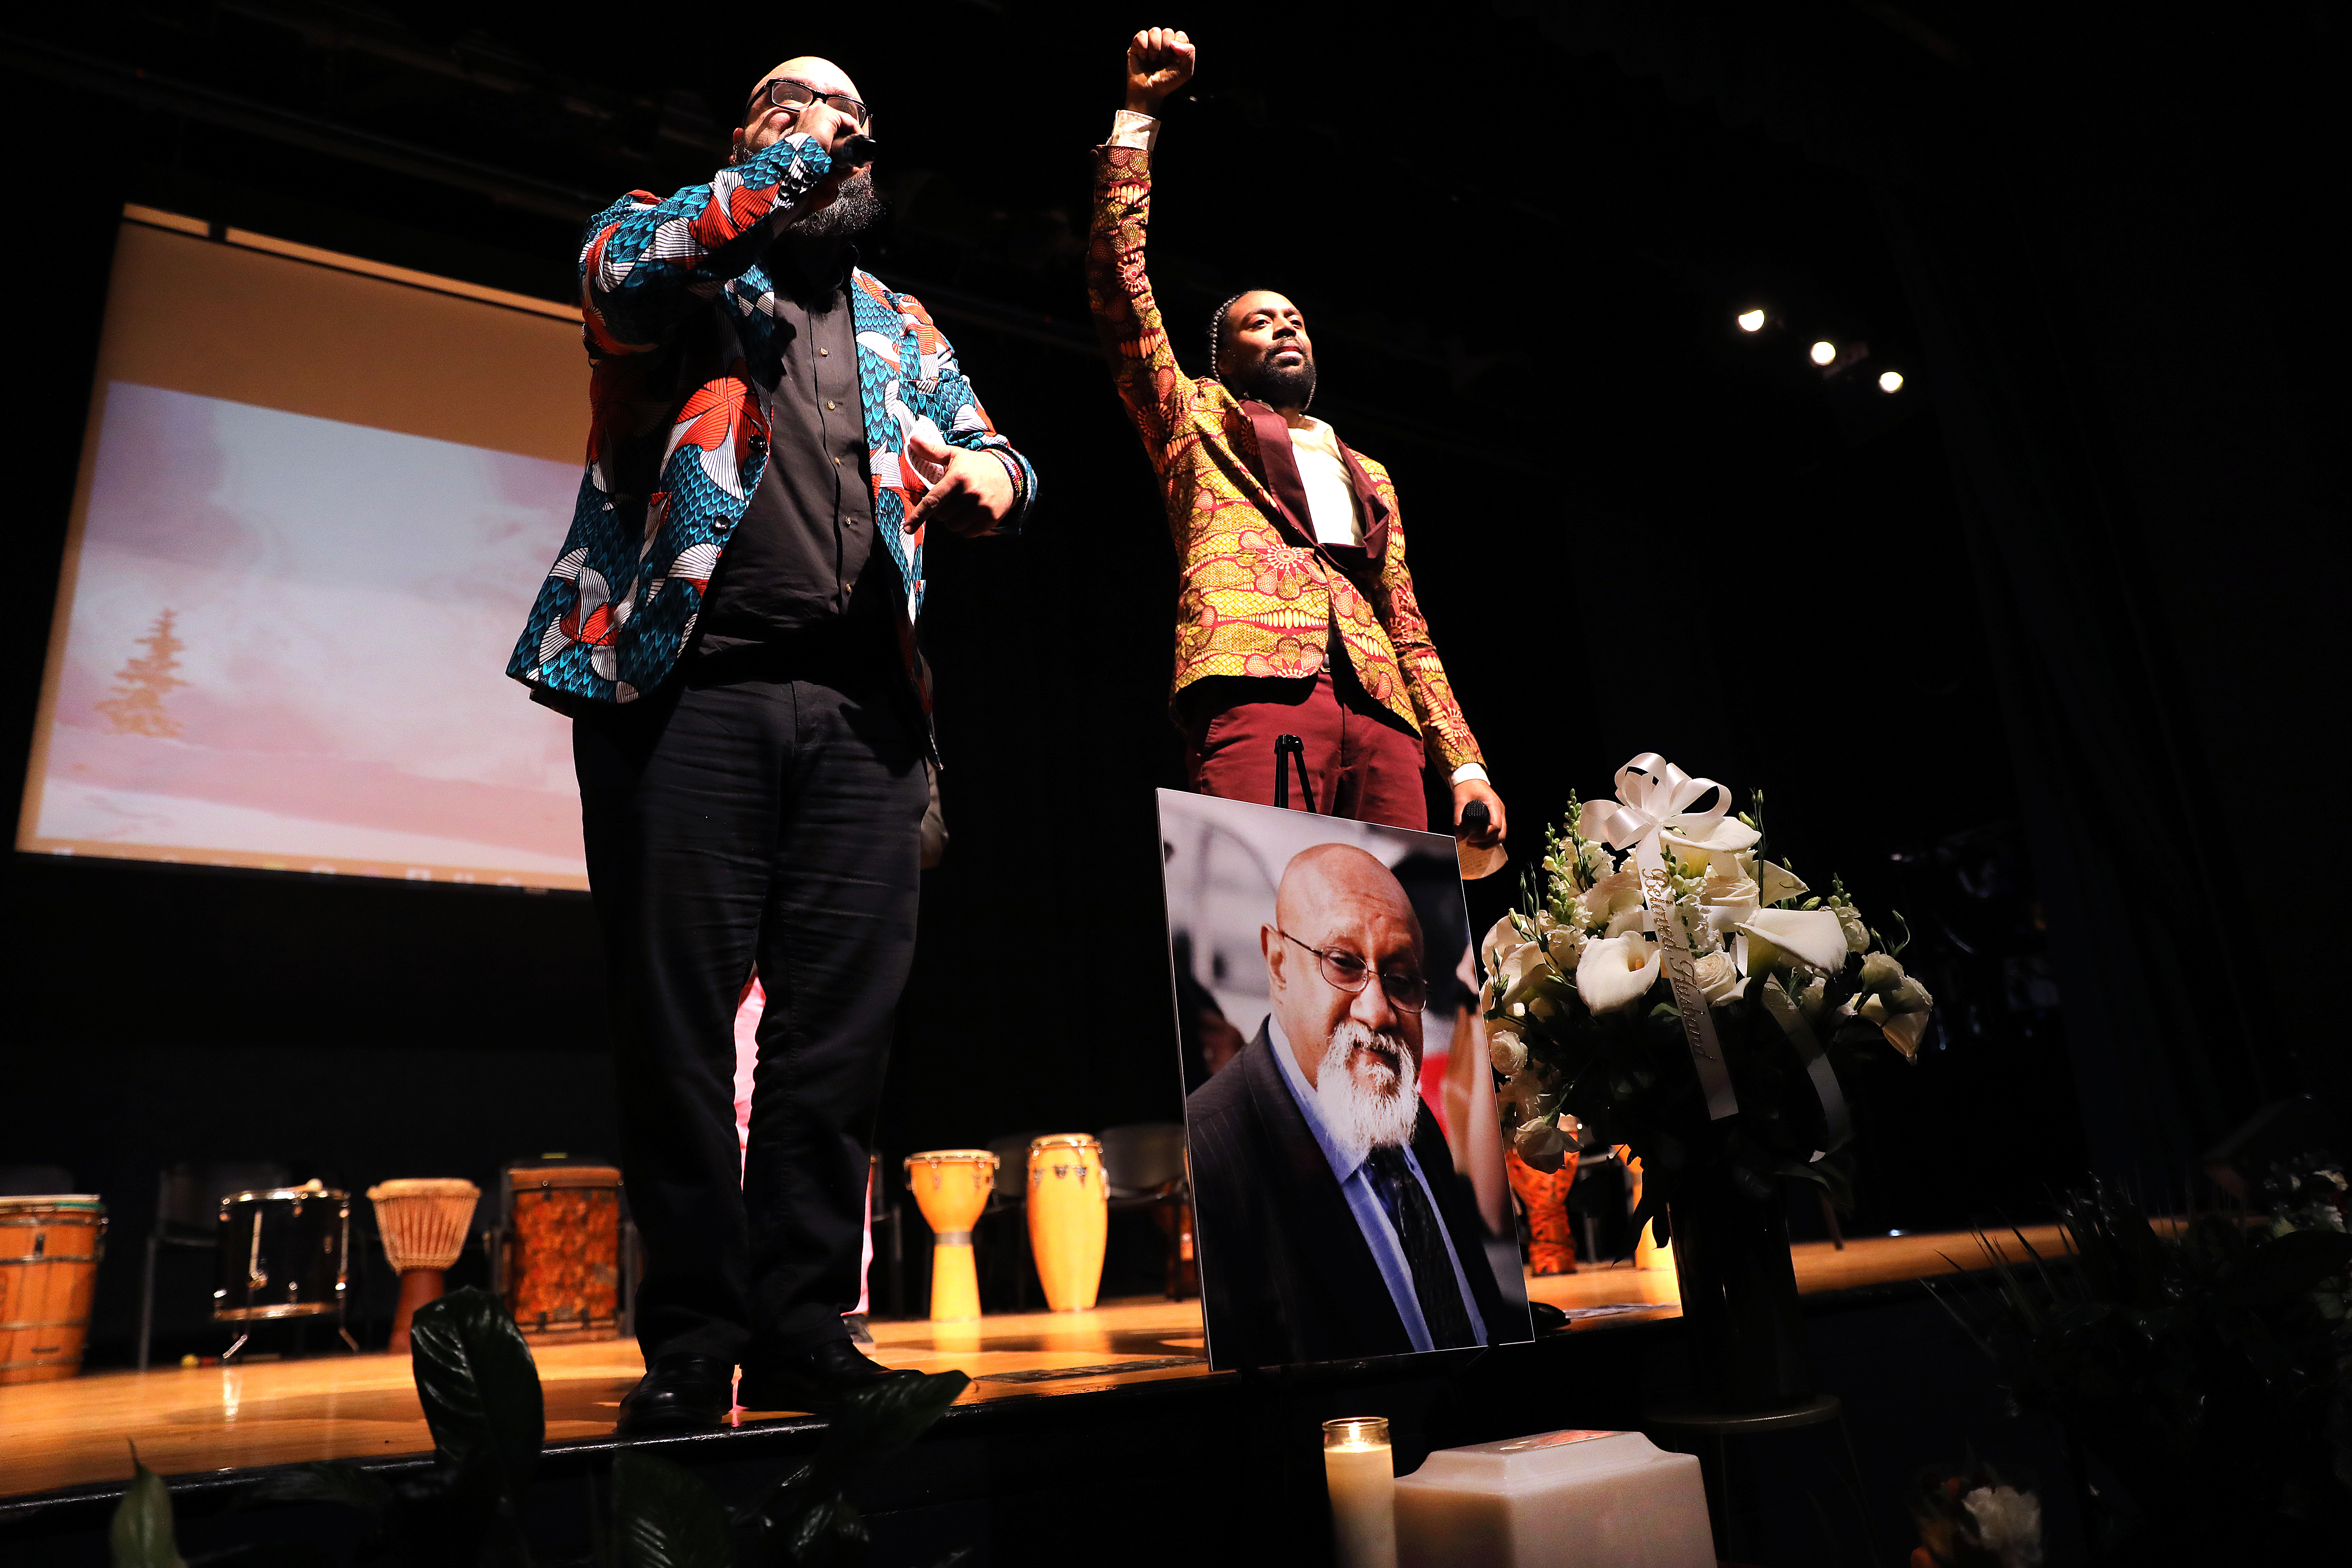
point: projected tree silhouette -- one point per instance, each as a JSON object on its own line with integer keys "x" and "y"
{"x": 137, "y": 706}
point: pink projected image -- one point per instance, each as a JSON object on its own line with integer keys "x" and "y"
{"x": 285, "y": 647}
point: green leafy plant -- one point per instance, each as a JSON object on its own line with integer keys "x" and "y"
{"x": 140, "y": 1534}
{"x": 2204, "y": 1391}
{"x": 482, "y": 1400}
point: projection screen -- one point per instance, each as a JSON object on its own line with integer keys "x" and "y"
{"x": 316, "y": 498}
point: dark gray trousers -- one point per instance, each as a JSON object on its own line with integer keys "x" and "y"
{"x": 774, "y": 821}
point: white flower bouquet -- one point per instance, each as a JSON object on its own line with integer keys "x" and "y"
{"x": 1668, "y": 985}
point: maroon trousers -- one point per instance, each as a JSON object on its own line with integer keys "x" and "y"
{"x": 1361, "y": 761}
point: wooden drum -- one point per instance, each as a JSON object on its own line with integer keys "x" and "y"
{"x": 562, "y": 1264}
{"x": 423, "y": 1221}
{"x": 283, "y": 1252}
{"x": 952, "y": 1188}
{"x": 1068, "y": 1218}
{"x": 49, "y": 1248}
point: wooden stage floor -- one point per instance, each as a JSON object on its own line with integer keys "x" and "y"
{"x": 78, "y": 1432}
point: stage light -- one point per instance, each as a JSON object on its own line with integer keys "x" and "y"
{"x": 1751, "y": 321}
{"x": 1890, "y": 380}
{"x": 1825, "y": 353}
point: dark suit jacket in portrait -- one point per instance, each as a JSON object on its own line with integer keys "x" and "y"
{"x": 1285, "y": 1273}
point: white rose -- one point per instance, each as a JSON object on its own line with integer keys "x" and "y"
{"x": 1816, "y": 996}
{"x": 1857, "y": 931}
{"x": 1600, "y": 903}
{"x": 1615, "y": 971}
{"x": 1881, "y": 972}
{"x": 1562, "y": 946}
{"x": 2009, "y": 1525}
{"x": 1541, "y": 1144}
{"x": 1718, "y": 977}
{"x": 1507, "y": 1052}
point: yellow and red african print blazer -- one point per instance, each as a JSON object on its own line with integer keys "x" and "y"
{"x": 1252, "y": 599}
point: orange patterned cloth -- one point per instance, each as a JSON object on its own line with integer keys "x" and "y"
{"x": 1251, "y": 603}
{"x": 1551, "y": 1239}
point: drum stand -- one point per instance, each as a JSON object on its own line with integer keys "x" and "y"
{"x": 301, "y": 1325}
{"x": 342, "y": 1331}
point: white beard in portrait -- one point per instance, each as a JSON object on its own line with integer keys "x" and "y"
{"x": 1369, "y": 1101}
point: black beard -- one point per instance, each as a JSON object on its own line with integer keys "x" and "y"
{"x": 1276, "y": 386}
{"x": 855, "y": 211}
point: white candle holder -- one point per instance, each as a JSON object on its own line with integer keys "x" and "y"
{"x": 1360, "y": 1470}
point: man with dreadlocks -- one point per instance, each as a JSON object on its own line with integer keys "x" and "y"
{"x": 1295, "y": 614}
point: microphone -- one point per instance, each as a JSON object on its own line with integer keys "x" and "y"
{"x": 858, "y": 149}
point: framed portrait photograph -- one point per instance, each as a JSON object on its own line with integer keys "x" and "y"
{"x": 1349, "y": 1198}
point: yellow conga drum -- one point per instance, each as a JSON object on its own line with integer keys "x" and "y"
{"x": 49, "y": 1248}
{"x": 1067, "y": 1218}
{"x": 952, "y": 1188}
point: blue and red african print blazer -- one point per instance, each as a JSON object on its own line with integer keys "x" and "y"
{"x": 682, "y": 354}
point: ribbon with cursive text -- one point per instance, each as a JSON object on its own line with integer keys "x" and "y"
{"x": 1698, "y": 1022}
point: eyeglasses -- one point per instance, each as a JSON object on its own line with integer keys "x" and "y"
{"x": 1404, "y": 988}
{"x": 783, "y": 92}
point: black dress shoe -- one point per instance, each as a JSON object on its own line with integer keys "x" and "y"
{"x": 811, "y": 1379}
{"x": 679, "y": 1393}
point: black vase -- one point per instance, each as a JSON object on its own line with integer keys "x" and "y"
{"x": 1739, "y": 1295}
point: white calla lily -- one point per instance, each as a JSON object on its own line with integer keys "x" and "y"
{"x": 1612, "y": 972}
{"x": 1812, "y": 936}
{"x": 1501, "y": 937}
{"x": 1778, "y": 883}
{"x": 1726, "y": 837}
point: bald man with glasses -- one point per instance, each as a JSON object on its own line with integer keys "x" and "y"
{"x": 732, "y": 624}
{"x": 1329, "y": 1223}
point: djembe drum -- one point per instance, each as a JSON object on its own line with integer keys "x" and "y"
{"x": 564, "y": 1251}
{"x": 1068, "y": 1218}
{"x": 951, "y": 1187}
{"x": 423, "y": 1222}
{"x": 49, "y": 1250}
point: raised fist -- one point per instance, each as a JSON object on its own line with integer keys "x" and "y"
{"x": 1158, "y": 61}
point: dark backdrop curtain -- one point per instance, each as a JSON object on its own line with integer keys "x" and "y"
{"x": 2083, "y": 210}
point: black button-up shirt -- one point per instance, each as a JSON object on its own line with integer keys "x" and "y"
{"x": 802, "y": 568}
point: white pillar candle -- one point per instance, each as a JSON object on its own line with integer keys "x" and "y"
{"x": 1361, "y": 1477}
{"x": 1590, "y": 1500}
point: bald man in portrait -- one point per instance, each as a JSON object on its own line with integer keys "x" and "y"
{"x": 1330, "y": 1224}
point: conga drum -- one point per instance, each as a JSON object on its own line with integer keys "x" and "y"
{"x": 49, "y": 1248}
{"x": 423, "y": 1222}
{"x": 564, "y": 1251}
{"x": 951, "y": 1187}
{"x": 1068, "y": 1218}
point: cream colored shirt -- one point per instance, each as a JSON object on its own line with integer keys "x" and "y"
{"x": 1330, "y": 497}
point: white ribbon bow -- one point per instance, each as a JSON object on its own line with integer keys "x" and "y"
{"x": 1652, "y": 796}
